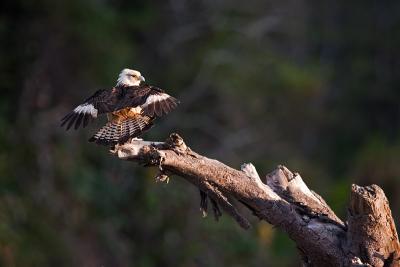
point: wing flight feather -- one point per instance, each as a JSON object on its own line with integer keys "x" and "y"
{"x": 152, "y": 100}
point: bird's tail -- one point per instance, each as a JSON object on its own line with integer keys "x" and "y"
{"x": 118, "y": 132}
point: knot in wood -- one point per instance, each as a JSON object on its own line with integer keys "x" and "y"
{"x": 174, "y": 141}
{"x": 151, "y": 156}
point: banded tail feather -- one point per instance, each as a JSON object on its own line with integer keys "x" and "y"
{"x": 119, "y": 132}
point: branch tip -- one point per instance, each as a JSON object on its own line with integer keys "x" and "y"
{"x": 284, "y": 200}
{"x": 250, "y": 170}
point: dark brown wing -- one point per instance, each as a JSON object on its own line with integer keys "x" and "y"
{"x": 102, "y": 101}
{"x": 153, "y": 100}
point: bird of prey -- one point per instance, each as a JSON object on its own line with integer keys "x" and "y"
{"x": 131, "y": 107}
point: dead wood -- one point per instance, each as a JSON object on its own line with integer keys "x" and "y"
{"x": 369, "y": 237}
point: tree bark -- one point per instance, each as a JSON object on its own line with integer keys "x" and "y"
{"x": 368, "y": 238}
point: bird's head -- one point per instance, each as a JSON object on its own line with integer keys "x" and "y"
{"x": 129, "y": 77}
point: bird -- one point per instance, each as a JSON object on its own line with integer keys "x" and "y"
{"x": 131, "y": 107}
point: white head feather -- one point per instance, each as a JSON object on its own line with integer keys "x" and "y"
{"x": 129, "y": 77}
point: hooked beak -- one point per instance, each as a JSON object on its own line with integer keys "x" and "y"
{"x": 142, "y": 78}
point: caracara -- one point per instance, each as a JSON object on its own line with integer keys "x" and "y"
{"x": 131, "y": 107}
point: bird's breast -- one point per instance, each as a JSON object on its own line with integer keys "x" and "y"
{"x": 124, "y": 114}
{"x": 136, "y": 110}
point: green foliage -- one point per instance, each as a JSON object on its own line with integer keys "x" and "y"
{"x": 311, "y": 85}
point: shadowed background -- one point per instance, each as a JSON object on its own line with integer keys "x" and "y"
{"x": 311, "y": 85}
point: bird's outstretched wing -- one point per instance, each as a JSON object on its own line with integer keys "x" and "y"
{"x": 102, "y": 101}
{"x": 152, "y": 100}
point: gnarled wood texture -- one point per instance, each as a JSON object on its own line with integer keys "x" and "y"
{"x": 284, "y": 200}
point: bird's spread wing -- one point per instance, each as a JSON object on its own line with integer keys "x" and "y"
{"x": 102, "y": 101}
{"x": 152, "y": 100}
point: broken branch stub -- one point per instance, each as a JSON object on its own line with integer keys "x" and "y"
{"x": 284, "y": 200}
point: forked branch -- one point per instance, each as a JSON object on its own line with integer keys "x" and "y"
{"x": 284, "y": 200}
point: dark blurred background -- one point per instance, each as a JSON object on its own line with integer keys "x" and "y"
{"x": 310, "y": 84}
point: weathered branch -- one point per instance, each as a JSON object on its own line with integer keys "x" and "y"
{"x": 285, "y": 201}
{"x": 372, "y": 234}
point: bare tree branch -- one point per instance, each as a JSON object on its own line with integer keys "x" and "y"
{"x": 285, "y": 201}
{"x": 372, "y": 234}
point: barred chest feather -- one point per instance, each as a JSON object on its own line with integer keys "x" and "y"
{"x": 124, "y": 114}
